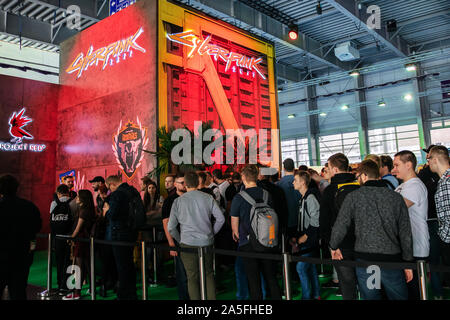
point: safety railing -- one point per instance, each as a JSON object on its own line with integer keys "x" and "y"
{"x": 422, "y": 267}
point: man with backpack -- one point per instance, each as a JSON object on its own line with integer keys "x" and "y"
{"x": 61, "y": 220}
{"x": 125, "y": 214}
{"x": 342, "y": 183}
{"x": 255, "y": 226}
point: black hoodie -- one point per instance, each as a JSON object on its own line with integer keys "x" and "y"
{"x": 329, "y": 212}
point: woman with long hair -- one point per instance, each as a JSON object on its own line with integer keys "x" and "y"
{"x": 153, "y": 207}
{"x": 152, "y": 199}
{"x": 83, "y": 222}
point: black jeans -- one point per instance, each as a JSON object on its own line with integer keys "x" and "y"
{"x": 108, "y": 272}
{"x": 347, "y": 277}
{"x": 14, "y": 275}
{"x": 62, "y": 257}
{"x": 126, "y": 272}
{"x": 253, "y": 268}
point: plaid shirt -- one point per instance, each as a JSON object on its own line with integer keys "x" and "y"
{"x": 442, "y": 198}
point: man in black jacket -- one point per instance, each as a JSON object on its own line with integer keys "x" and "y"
{"x": 382, "y": 233}
{"x": 342, "y": 183}
{"x": 20, "y": 221}
{"x": 116, "y": 211}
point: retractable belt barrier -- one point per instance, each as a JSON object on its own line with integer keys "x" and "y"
{"x": 421, "y": 266}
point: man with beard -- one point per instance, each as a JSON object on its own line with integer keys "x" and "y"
{"x": 97, "y": 183}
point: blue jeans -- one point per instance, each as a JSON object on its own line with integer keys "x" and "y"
{"x": 393, "y": 282}
{"x": 242, "y": 282}
{"x": 309, "y": 280}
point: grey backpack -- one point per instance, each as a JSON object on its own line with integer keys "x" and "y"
{"x": 263, "y": 222}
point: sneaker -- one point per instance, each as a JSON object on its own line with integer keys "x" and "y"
{"x": 338, "y": 293}
{"x": 72, "y": 296}
{"x": 62, "y": 292}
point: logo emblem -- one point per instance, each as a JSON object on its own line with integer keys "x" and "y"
{"x": 113, "y": 53}
{"x": 16, "y": 124}
{"x": 128, "y": 144}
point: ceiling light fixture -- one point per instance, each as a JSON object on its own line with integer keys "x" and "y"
{"x": 408, "y": 97}
{"x": 322, "y": 114}
{"x": 354, "y": 73}
{"x": 291, "y": 116}
{"x": 410, "y": 67}
{"x": 381, "y": 103}
{"x": 293, "y": 32}
{"x": 319, "y": 8}
{"x": 344, "y": 107}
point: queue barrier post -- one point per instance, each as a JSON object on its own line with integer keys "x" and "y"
{"x": 286, "y": 276}
{"x": 201, "y": 264}
{"x": 92, "y": 258}
{"x": 214, "y": 262}
{"x": 143, "y": 270}
{"x": 422, "y": 278}
{"x": 155, "y": 277}
{"x": 47, "y": 292}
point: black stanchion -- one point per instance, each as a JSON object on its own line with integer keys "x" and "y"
{"x": 201, "y": 265}
{"x": 421, "y": 266}
{"x": 92, "y": 258}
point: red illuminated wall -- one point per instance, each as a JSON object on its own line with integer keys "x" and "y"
{"x": 35, "y": 170}
{"x": 92, "y": 106}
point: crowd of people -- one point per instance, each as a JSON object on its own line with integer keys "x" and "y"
{"x": 380, "y": 210}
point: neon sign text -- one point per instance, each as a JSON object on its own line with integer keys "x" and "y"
{"x": 109, "y": 54}
{"x": 203, "y": 46}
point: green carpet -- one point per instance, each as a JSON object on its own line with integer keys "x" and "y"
{"x": 225, "y": 283}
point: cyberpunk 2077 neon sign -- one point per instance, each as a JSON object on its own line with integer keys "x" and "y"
{"x": 109, "y": 55}
{"x": 17, "y": 122}
{"x": 202, "y": 46}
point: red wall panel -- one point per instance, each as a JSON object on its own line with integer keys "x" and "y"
{"x": 92, "y": 106}
{"x": 35, "y": 170}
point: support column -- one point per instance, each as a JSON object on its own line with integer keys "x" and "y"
{"x": 363, "y": 123}
{"x": 313, "y": 127}
{"x": 422, "y": 111}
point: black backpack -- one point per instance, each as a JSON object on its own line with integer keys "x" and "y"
{"x": 136, "y": 211}
{"x": 61, "y": 218}
{"x": 342, "y": 191}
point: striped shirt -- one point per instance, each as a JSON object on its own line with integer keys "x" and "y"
{"x": 442, "y": 198}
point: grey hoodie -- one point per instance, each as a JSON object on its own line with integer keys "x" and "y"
{"x": 192, "y": 211}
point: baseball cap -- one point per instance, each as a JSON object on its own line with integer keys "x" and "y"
{"x": 97, "y": 179}
{"x": 427, "y": 150}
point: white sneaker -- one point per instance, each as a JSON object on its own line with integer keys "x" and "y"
{"x": 72, "y": 296}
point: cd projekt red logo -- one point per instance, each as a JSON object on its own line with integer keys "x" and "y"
{"x": 17, "y": 123}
